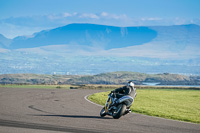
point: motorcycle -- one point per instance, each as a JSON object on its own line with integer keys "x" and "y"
{"x": 116, "y": 107}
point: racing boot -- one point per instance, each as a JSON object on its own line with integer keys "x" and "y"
{"x": 127, "y": 111}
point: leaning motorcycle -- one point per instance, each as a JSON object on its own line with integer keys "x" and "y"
{"x": 120, "y": 108}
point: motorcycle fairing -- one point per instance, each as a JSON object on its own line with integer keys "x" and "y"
{"x": 128, "y": 100}
{"x": 108, "y": 103}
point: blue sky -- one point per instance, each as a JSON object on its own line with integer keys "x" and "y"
{"x": 24, "y": 17}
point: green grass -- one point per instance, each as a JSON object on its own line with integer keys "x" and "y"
{"x": 174, "y": 104}
{"x": 37, "y": 86}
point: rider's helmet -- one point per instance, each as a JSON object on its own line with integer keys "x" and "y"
{"x": 130, "y": 83}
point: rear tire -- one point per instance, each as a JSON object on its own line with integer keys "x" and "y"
{"x": 119, "y": 111}
{"x": 103, "y": 112}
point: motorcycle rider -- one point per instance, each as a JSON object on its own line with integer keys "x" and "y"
{"x": 123, "y": 91}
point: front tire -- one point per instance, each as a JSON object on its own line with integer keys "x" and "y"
{"x": 103, "y": 112}
{"x": 119, "y": 111}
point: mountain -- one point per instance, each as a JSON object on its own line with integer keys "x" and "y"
{"x": 106, "y": 37}
{"x": 92, "y": 49}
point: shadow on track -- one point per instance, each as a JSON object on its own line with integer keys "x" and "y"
{"x": 47, "y": 127}
{"x": 76, "y": 116}
{"x": 71, "y": 116}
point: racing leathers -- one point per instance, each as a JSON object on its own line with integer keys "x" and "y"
{"x": 126, "y": 90}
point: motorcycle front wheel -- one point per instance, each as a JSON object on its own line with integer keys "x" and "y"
{"x": 119, "y": 111}
{"x": 103, "y": 112}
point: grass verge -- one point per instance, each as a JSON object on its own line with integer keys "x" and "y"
{"x": 183, "y": 105}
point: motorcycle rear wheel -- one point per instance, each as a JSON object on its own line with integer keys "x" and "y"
{"x": 119, "y": 111}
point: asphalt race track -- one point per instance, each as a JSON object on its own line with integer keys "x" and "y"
{"x": 59, "y": 110}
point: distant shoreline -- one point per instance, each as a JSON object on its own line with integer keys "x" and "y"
{"x": 158, "y": 84}
{"x": 110, "y": 78}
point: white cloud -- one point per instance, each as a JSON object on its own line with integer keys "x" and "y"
{"x": 67, "y": 15}
{"x": 90, "y": 15}
{"x": 103, "y": 15}
{"x": 151, "y": 19}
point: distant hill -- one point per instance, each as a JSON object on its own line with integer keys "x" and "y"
{"x": 105, "y": 37}
{"x": 103, "y": 78}
{"x": 138, "y": 78}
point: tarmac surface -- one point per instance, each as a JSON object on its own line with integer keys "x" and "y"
{"x": 58, "y": 110}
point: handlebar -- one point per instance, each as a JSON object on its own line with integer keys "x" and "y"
{"x": 112, "y": 93}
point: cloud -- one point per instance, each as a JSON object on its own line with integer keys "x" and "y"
{"x": 61, "y": 16}
{"x": 90, "y": 16}
{"x": 103, "y": 15}
{"x": 151, "y": 19}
